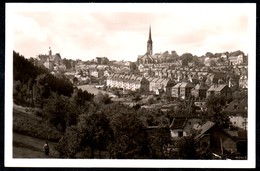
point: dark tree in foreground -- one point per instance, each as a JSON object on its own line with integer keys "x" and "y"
{"x": 130, "y": 138}
{"x": 159, "y": 139}
{"x": 186, "y": 146}
{"x": 215, "y": 106}
{"x": 95, "y": 131}
{"x": 69, "y": 144}
{"x": 60, "y": 112}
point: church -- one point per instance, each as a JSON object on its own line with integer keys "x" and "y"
{"x": 148, "y": 57}
{"x": 50, "y": 61}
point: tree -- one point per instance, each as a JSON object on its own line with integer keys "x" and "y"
{"x": 67, "y": 63}
{"x": 69, "y": 144}
{"x": 209, "y": 54}
{"x": 212, "y": 63}
{"x": 30, "y": 91}
{"x": 127, "y": 143}
{"x": 186, "y": 58}
{"x": 95, "y": 130}
{"x": 159, "y": 138}
{"x": 186, "y": 146}
{"x": 133, "y": 66}
{"x": 59, "y": 112}
{"x": 79, "y": 98}
{"x": 80, "y": 72}
{"x": 101, "y": 98}
{"x": 215, "y": 106}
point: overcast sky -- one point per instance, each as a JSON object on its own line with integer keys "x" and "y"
{"x": 120, "y": 32}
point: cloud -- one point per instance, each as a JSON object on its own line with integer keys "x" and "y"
{"x": 29, "y": 35}
{"x": 123, "y": 35}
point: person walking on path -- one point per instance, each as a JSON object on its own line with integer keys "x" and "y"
{"x": 46, "y": 148}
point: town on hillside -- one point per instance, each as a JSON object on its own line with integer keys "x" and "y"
{"x": 169, "y": 106}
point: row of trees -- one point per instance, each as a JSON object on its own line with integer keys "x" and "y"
{"x": 198, "y": 61}
{"x": 105, "y": 129}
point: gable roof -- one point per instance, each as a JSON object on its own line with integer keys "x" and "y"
{"x": 237, "y": 107}
{"x": 177, "y": 85}
{"x": 184, "y": 84}
{"x": 204, "y": 128}
{"x": 201, "y": 87}
{"x": 207, "y": 126}
{"x": 217, "y": 87}
{"x": 178, "y": 123}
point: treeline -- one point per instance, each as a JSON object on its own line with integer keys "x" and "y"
{"x": 31, "y": 82}
{"x": 197, "y": 60}
{"x": 100, "y": 128}
{"x": 104, "y": 129}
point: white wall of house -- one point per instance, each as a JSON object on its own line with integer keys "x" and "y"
{"x": 177, "y": 133}
{"x": 190, "y": 124}
{"x": 239, "y": 121}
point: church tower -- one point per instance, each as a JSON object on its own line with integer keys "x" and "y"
{"x": 150, "y": 43}
{"x": 50, "y": 53}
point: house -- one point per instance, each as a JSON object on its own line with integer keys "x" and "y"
{"x": 128, "y": 82}
{"x": 153, "y": 84}
{"x": 167, "y": 84}
{"x": 95, "y": 73}
{"x": 141, "y": 67}
{"x": 211, "y": 137}
{"x": 237, "y": 110}
{"x": 233, "y": 82}
{"x": 185, "y": 89}
{"x": 214, "y": 78}
{"x": 183, "y": 126}
{"x": 243, "y": 81}
{"x": 176, "y": 90}
{"x": 142, "y": 84}
{"x": 236, "y": 60}
{"x": 106, "y": 73}
{"x": 200, "y": 91}
{"x": 201, "y": 104}
{"x": 221, "y": 90}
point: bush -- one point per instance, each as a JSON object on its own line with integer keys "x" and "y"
{"x": 38, "y": 113}
{"x": 34, "y": 126}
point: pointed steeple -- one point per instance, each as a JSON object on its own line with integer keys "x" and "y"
{"x": 150, "y": 43}
{"x": 150, "y": 35}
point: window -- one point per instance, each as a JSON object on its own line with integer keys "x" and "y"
{"x": 234, "y": 123}
{"x": 189, "y": 123}
{"x": 180, "y": 134}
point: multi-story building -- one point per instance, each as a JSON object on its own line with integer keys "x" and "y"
{"x": 128, "y": 82}
{"x": 200, "y": 91}
{"x": 221, "y": 90}
{"x": 182, "y": 90}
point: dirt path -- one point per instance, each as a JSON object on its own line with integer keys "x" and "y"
{"x": 29, "y": 147}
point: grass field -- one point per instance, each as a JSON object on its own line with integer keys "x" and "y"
{"x": 92, "y": 89}
{"x": 28, "y": 147}
{"x": 30, "y": 133}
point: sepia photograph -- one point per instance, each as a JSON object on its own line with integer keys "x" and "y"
{"x": 130, "y": 85}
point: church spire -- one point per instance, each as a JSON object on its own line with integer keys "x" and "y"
{"x": 150, "y": 43}
{"x": 150, "y": 34}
